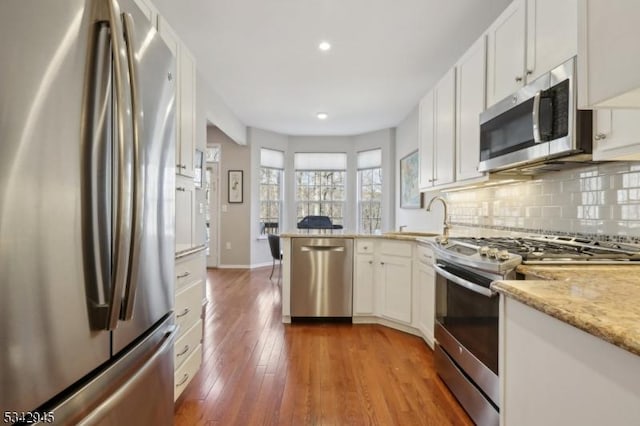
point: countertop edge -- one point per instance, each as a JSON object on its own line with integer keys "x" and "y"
{"x": 511, "y": 289}
{"x": 190, "y": 251}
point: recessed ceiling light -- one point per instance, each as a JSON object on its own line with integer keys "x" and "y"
{"x": 322, "y": 115}
{"x": 324, "y": 46}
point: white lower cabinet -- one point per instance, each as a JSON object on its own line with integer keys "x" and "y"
{"x": 552, "y": 373}
{"x": 395, "y": 281}
{"x": 385, "y": 286}
{"x": 426, "y": 287}
{"x": 185, "y": 373}
{"x": 189, "y": 301}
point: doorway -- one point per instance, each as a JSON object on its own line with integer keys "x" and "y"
{"x": 212, "y": 217}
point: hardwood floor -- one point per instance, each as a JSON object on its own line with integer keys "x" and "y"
{"x": 258, "y": 371}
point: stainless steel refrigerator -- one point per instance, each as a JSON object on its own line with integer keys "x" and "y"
{"x": 87, "y": 147}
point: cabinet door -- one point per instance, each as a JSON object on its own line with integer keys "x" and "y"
{"x": 616, "y": 134}
{"x": 506, "y": 53}
{"x": 552, "y": 34}
{"x": 185, "y": 201}
{"x": 445, "y": 111}
{"x": 187, "y": 112}
{"x": 608, "y": 54}
{"x": 396, "y": 282}
{"x": 363, "y": 299}
{"x": 426, "y": 301}
{"x": 426, "y": 140}
{"x": 470, "y": 102}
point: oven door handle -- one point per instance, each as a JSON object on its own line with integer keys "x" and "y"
{"x": 535, "y": 115}
{"x": 462, "y": 282}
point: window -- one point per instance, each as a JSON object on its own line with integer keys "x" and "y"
{"x": 320, "y": 185}
{"x": 271, "y": 171}
{"x": 370, "y": 191}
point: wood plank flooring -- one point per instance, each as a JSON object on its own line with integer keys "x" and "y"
{"x": 258, "y": 371}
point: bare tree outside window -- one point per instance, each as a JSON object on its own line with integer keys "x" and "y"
{"x": 370, "y": 200}
{"x": 320, "y": 193}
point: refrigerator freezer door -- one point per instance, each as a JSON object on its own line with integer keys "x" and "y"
{"x": 46, "y": 340}
{"x": 151, "y": 293}
{"x": 136, "y": 388}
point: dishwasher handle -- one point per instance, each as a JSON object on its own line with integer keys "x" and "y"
{"x": 322, "y": 248}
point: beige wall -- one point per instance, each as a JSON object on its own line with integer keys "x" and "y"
{"x": 235, "y": 222}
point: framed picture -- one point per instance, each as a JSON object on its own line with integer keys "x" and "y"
{"x": 235, "y": 186}
{"x": 410, "y": 197}
{"x": 197, "y": 169}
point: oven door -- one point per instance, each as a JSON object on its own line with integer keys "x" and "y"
{"x": 467, "y": 324}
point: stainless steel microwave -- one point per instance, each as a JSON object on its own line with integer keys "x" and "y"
{"x": 537, "y": 125}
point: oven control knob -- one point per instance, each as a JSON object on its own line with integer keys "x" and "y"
{"x": 492, "y": 253}
{"x": 503, "y": 255}
{"x": 483, "y": 250}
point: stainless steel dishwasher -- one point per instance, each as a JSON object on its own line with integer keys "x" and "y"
{"x": 321, "y": 277}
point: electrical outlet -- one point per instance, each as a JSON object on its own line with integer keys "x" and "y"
{"x": 227, "y": 245}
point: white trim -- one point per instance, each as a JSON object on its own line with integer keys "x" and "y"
{"x": 234, "y": 267}
{"x": 261, "y": 265}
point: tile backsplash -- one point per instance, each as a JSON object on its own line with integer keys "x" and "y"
{"x": 601, "y": 201}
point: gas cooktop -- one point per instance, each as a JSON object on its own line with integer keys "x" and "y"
{"x": 551, "y": 250}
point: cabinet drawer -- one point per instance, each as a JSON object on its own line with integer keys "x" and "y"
{"x": 188, "y": 307}
{"x": 186, "y": 344}
{"x": 396, "y": 248}
{"x": 187, "y": 371}
{"x": 364, "y": 246}
{"x": 189, "y": 270}
{"x": 425, "y": 254}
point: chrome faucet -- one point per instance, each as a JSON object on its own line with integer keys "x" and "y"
{"x": 445, "y": 230}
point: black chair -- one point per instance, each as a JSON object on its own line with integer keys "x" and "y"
{"x": 317, "y": 222}
{"x": 274, "y": 245}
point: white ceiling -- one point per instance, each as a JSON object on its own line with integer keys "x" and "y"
{"x": 261, "y": 56}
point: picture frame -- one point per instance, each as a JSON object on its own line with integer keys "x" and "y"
{"x": 410, "y": 196}
{"x": 235, "y": 186}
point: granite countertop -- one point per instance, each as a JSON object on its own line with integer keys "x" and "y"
{"x": 603, "y": 300}
{"x": 404, "y": 236}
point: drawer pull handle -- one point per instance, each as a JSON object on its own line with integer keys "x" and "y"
{"x": 185, "y": 312}
{"x": 181, "y": 189}
{"x": 184, "y": 351}
{"x": 183, "y": 381}
{"x": 185, "y": 275}
{"x": 382, "y": 263}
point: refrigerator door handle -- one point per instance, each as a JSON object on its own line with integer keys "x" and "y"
{"x": 122, "y": 240}
{"x": 138, "y": 177}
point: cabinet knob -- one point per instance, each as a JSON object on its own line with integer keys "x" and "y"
{"x": 382, "y": 263}
{"x": 365, "y": 247}
{"x": 529, "y": 72}
{"x": 600, "y": 136}
{"x": 518, "y": 79}
{"x": 370, "y": 262}
{"x": 180, "y": 188}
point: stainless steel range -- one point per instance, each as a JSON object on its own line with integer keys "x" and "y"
{"x": 466, "y": 326}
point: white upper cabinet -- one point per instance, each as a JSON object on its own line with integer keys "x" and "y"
{"x": 552, "y": 35}
{"x": 529, "y": 38}
{"x": 609, "y": 54}
{"x": 470, "y": 102}
{"x": 426, "y": 137}
{"x": 148, "y": 9}
{"x": 616, "y": 134}
{"x": 185, "y": 100}
{"x": 437, "y": 133}
{"x": 506, "y": 55}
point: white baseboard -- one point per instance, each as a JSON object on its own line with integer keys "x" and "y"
{"x": 253, "y": 266}
{"x": 262, "y": 265}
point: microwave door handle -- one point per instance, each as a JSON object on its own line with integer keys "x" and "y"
{"x": 463, "y": 283}
{"x": 535, "y": 115}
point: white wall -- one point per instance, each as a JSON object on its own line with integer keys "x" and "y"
{"x": 414, "y": 219}
{"x": 213, "y": 110}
